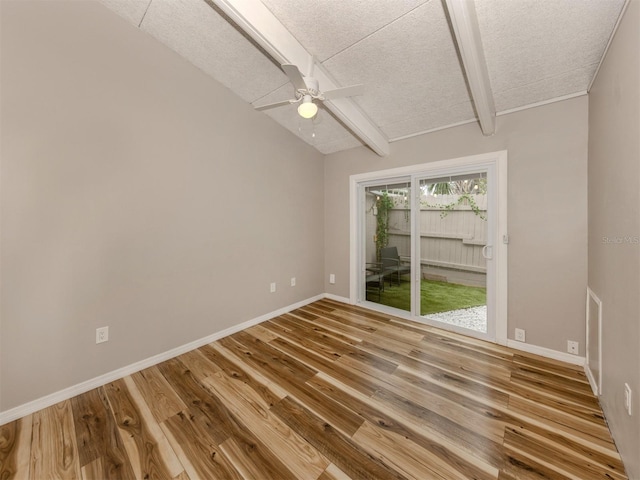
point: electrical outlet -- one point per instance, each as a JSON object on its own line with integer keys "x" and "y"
{"x": 627, "y": 398}
{"x": 520, "y": 337}
{"x": 572, "y": 347}
{"x": 272, "y": 287}
{"x": 102, "y": 334}
{"x": 332, "y": 278}
{"x": 293, "y": 281}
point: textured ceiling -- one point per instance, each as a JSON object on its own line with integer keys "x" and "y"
{"x": 538, "y": 50}
{"x": 402, "y": 51}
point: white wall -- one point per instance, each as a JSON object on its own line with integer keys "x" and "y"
{"x": 547, "y": 211}
{"x": 138, "y": 193}
{"x": 614, "y": 213}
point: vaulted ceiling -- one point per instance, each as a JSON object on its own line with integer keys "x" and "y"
{"x": 424, "y": 64}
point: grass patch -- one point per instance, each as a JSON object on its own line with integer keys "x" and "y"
{"x": 435, "y": 296}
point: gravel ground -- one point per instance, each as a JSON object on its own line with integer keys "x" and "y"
{"x": 474, "y": 318}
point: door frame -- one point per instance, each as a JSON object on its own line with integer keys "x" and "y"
{"x": 498, "y": 162}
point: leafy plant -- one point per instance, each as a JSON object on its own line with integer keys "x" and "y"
{"x": 457, "y": 187}
{"x": 384, "y": 204}
{"x": 466, "y": 199}
{"x": 464, "y": 189}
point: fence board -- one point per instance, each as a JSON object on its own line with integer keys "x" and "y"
{"x": 453, "y": 239}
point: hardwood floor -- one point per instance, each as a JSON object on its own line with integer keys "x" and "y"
{"x": 328, "y": 392}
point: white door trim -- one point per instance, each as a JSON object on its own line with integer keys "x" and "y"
{"x": 590, "y": 358}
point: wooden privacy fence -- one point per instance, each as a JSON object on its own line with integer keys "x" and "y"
{"x": 453, "y": 231}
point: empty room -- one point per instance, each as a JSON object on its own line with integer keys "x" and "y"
{"x": 319, "y": 239}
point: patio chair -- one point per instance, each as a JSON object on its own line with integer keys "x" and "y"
{"x": 374, "y": 279}
{"x": 392, "y": 264}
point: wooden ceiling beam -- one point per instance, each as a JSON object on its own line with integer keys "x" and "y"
{"x": 466, "y": 32}
{"x": 257, "y": 21}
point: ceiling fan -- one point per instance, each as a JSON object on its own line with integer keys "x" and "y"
{"x": 307, "y": 90}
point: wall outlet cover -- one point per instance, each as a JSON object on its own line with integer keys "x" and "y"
{"x": 572, "y": 347}
{"x": 102, "y": 334}
{"x": 520, "y": 335}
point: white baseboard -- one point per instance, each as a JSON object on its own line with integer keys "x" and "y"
{"x": 592, "y": 380}
{"x": 70, "y": 392}
{"x": 547, "y": 352}
{"x": 337, "y": 298}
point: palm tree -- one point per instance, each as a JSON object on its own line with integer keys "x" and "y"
{"x": 472, "y": 186}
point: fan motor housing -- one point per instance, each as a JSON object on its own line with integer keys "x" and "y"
{"x": 312, "y": 86}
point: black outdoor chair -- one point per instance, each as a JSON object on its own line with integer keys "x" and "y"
{"x": 392, "y": 264}
{"x": 374, "y": 279}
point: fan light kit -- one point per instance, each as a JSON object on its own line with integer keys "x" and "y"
{"x": 308, "y": 90}
{"x": 307, "y": 109}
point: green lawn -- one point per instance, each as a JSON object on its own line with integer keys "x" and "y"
{"x": 435, "y": 296}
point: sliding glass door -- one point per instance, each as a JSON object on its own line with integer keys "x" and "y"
{"x": 453, "y": 241}
{"x": 425, "y": 244}
{"x": 386, "y": 266}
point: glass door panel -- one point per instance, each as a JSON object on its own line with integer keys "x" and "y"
{"x": 453, "y": 250}
{"x": 387, "y": 244}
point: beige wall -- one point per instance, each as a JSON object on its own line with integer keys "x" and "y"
{"x": 547, "y": 183}
{"x": 614, "y": 212}
{"x": 136, "y": 193}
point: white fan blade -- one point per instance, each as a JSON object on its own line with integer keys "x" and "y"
{"x": 274, "y": 105}
{"x": 350, "y": 91}
{"x": 295, "y": 76}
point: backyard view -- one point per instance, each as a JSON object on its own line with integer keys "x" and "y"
{"x": 452, "y": 225}
{"x": 435, "y": 297}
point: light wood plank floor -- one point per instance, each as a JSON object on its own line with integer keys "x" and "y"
{"x": 328, "y": 391}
